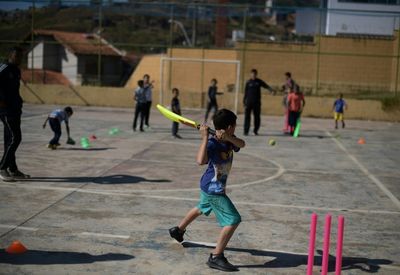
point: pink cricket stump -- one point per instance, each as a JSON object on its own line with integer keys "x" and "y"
{"x": 311, "y": 247}
{"x": 325, "y": 252}
{"x": 286, "y": 117}
{"x": 339, "y": 246}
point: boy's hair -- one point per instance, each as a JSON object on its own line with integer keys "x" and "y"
{"x": 140, "y": 83}
{"x": 340, "y": 95}
{"x": 223, "y": 119}
{"x": 214, "y": 80}
{"x": 68, "y": 110}
{"x": 146, "y": 76}
{"x": 254, "y": 71}
{"x": 175, "y": 90}
{"x": 288, "y": 74}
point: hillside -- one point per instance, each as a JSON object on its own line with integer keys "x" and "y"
{"x": 137, "y": 28}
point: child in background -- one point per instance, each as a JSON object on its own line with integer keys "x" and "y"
{"x": 176, "y": 108}
{"x": 296, "y": 104}
{"x": 338, "y": 107}
{"x": 55, "y": 119}
{"x": 141, "y": 105}
{"x": 286, "y": 88}
{"x": 217, "y": 152}
{"x": 148, "y": 87}
{"x": 212, "y": 98}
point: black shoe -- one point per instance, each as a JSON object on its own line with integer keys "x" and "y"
{"x": 176, "y": 233}
{"x": 5, "y": 176}
{"x": 256, "y": 133}
{"x": 221, "y": 263}
{"x": 343, "y": 125}
{"x": 177, "y": 136}
{"x": 19, "y": 175}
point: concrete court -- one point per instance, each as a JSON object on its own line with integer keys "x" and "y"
{"x": 106, "y": 210}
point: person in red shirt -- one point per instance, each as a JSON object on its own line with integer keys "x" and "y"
{"x": 296, "y": 104}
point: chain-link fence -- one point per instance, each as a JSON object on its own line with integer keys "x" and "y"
{"x": 329, "y": 46}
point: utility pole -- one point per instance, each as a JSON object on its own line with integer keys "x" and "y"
{"x": 194, "y": 24}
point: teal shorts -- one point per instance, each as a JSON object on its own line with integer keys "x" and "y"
{"x": 223, "y": 208}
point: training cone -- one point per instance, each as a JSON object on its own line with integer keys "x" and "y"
{"x": 361, "y": 141}
{"x": 93, "y": 137}
{"x": 16, "y": 248}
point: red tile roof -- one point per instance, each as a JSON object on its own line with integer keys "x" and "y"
{"x": 44, "y": 77}
{"x": 81, "y": 43}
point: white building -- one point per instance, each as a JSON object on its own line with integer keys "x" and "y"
{"x": 76, "y": 57}
{"x": 371, "y": 17}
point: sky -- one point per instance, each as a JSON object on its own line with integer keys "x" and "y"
{"x": 25, "y": 4}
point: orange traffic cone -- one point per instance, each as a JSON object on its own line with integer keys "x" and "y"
{"x": 361, "y": 141}
{"x": 16, "y": 248}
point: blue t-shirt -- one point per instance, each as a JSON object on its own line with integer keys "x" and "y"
{"x": 59, "y": 114}
{"x": 220, "y": 157}
{"x": 140, "y": 95}
{"x": 339, "y": 105}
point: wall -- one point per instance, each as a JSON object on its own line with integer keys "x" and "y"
{"x": 334, "y": 64}
{"x": 52, "y": 58}
{"x": 122, "y": 97}
{"x": 364, "y": 23}
{"x": 111, "y": 70}
{"x": 310, "y": 22}
{"x": 37, "y": 57}
{"x": 70, "y": 66}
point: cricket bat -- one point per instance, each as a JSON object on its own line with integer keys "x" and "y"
{"x": 180, "y": 119}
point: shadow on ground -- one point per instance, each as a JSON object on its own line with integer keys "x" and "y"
{"x": 88, "y": 149}
{"x": 290, "y": 260}
{"x": 41, "y": 257}
{"x": 111, "y": 179}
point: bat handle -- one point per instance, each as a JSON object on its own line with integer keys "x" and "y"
{"x": 210, "y": 131}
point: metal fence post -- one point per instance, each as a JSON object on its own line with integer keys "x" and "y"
{"x": 32, "y": 41}
{"x": 99, "y": 45}
{"x": 397, "y": 62}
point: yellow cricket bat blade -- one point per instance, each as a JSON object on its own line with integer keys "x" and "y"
{"x": 175, "y": 117}
{"x": 180, "y": 119}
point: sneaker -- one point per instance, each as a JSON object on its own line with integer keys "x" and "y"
{"x": 177, "y": 136}
{"x": 52, "y": 146}
{"x": 343, "y": 125}
{"x": 5, "y": 176}
{"x": 176, "y": 233}
{"x": 19, "y": 175}
{"x": 221, "y": 263}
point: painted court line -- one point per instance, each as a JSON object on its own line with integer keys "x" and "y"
{"x": 265, "y": 250}
{"x": 92, "y": 234}
{"x": 367, "y": 173}
{"x": 26, "y": 228}
{"x": 160, "y": 197}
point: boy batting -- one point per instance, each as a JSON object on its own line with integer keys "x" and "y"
{"x": 217, "y": 153}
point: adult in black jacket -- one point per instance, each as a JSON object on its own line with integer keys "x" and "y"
{"x": 10, "y": 114}
{"x": 252, "y": 101}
